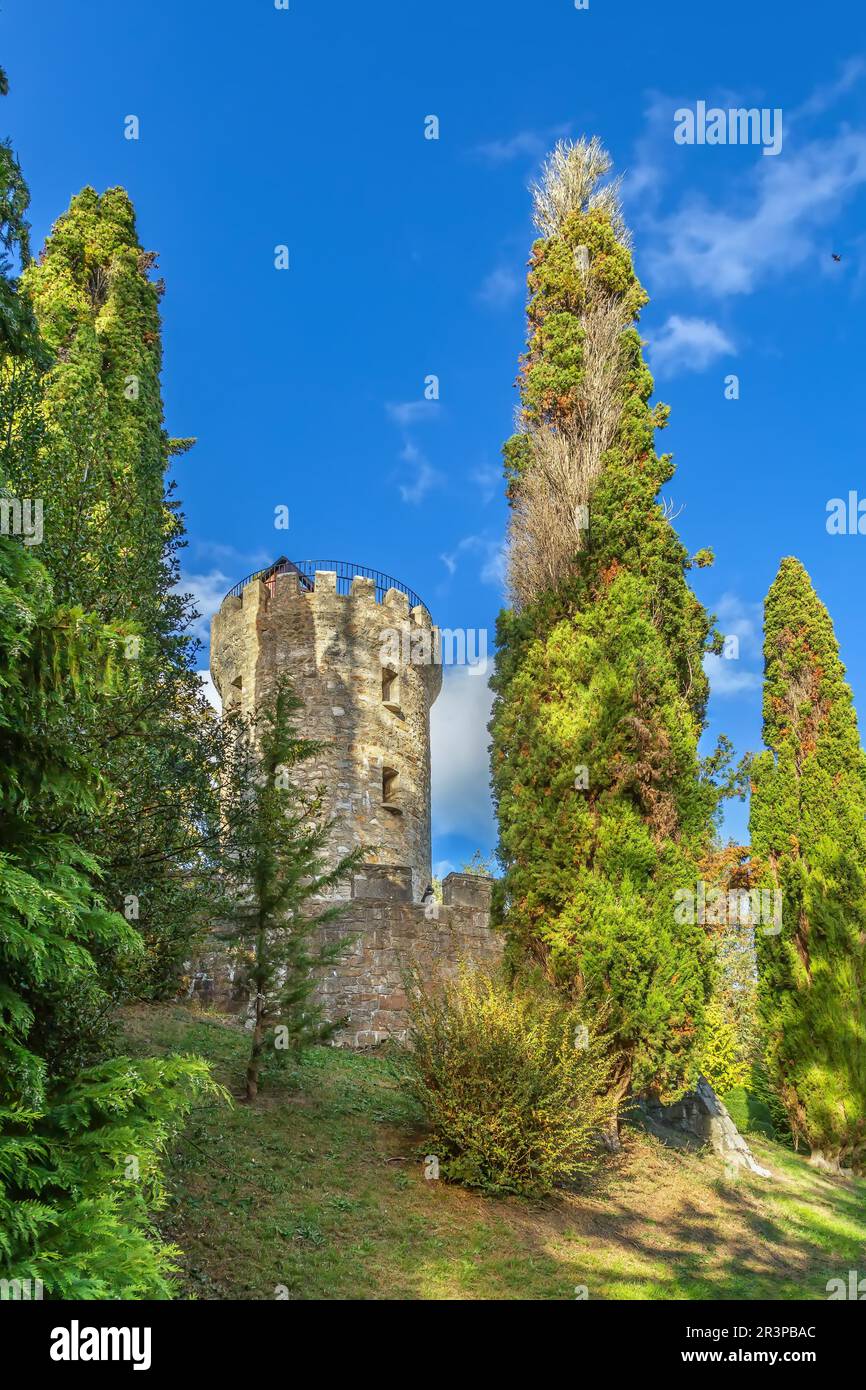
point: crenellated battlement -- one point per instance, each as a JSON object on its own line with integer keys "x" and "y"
{"x": 362, "y": 653}
{"x": 364, "y": 660}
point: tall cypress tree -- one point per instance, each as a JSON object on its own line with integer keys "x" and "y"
{"x": 80, "y": 1145}
{"x": 604, "y": 809}
{"x": 98, "y": 454}
{"x": 808, "y": 829}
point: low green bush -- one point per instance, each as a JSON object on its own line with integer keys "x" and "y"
{"x": 513, "y": 1084}
{"x": 749, "y": 1112}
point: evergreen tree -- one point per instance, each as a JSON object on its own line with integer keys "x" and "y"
{"x": 272, "y": 861}
{"x": 604, "y": 809}
{"x": 79, "y": 1151}
{"x": 808, "y": 829}
{"x": 80, "y": 1154}
{"x": 87, "y": 436}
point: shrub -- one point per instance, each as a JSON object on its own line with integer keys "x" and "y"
{"x": 721, "y": 1060}
{"x": 749, "y": 1112}
{"x": 513, "y": 1083}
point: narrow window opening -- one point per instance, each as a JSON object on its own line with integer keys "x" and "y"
{"x": 390, "y": 688}
{"x": 390, "y": 782}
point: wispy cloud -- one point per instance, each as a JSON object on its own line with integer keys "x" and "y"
{"x": 208, "y": 591}
{"x": 460, "y": 765}
{"x": 500, "y": 288}
{"x": 525, "y": 144}
{"x": 209, "y": 691}
{"x": 407, "y": 413}
{"x": 687, "y": 344}
{"x": 764, "y": 223}
{"x": 726, "y": 678}
{"x": 491, "y": 552}
{"x": 786, "y": 206}
{"x": 732, "y": 675}
{"x": 424, "y": 476}
{"x": 208, "y": 584}
{"x": 489, "y": 480}
{"x": 827, "y": 94}
{"x": 649, "y": 168}
{"x": 493, "y": 569}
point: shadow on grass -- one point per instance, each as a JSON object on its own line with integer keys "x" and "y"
{"x": 319, "y": 1193}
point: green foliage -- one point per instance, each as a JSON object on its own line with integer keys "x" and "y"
{"x": 272, "y": 841}
{"x": 18, "y": 334}
{"x": 514, "y": 1085}
{"x": 730, "y": 1048}
{"x": 80, "y": 1141}
{"x": 78, "y": 1154}
{"x": 85, "y": 433}
{"x": 604, "y": 807}
{"x": 808, "y": 823}
{"x": 721, "y": 1060}
{"x": 749, "y": 1111}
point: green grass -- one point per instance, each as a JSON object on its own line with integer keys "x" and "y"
{"x": 319, "y": 1192}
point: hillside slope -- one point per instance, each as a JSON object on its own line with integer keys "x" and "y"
{"x": 319, "y": 1193}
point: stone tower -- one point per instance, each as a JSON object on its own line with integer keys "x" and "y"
{"x": 358, "y": 648}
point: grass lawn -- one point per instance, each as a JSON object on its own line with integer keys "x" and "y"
{"x": 320, "y": 1189}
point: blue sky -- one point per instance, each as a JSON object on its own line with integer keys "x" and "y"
{"x": 262, "y": 127}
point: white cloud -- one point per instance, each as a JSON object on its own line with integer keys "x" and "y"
{"x": 460, "y": 764}
{"x": 788, "y": 207}
{"x": 489, "y": 480}
{"x": 726, "y": 679}
{"x": 500, "y": 288}
{"x": 209, "y": 691}
{"x": 208, "y": 591}
{"x": 687, "y": 344}
{"x": 426, "y": 476}
{"x": 492, "y": 557}
{"x": 743, "y": 621}
{"x": 493, "y": 569}
{"x": 209, "y": 586}
{"x": 526, "y": 144}
{"x": 406, "y": 413}
{"x": 826, "y": 95}
{"x": 645, "y": 177}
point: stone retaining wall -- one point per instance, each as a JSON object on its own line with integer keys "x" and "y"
{"x": 391, "y": 933}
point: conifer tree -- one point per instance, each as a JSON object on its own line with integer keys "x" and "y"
{"x": 87, "y": 436}
{"x": 79, "y": 1152}
{"x": 604, "y": 808}
{"x": 272, "y": 859}
{"x": 80, "y": 1147}
{"x": 808, "y": 830}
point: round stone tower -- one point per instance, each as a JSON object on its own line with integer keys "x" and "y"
{"x": 362, "y": 654}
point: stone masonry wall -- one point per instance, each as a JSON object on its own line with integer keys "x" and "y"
{"x": 392, "y": 933}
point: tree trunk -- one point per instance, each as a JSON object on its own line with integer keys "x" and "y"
{"x": 257, "y": 1048}
{"x": 255, "y": 1060}
{"x": 828, "y": 1163}
{"x": 610, "y": 1134}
